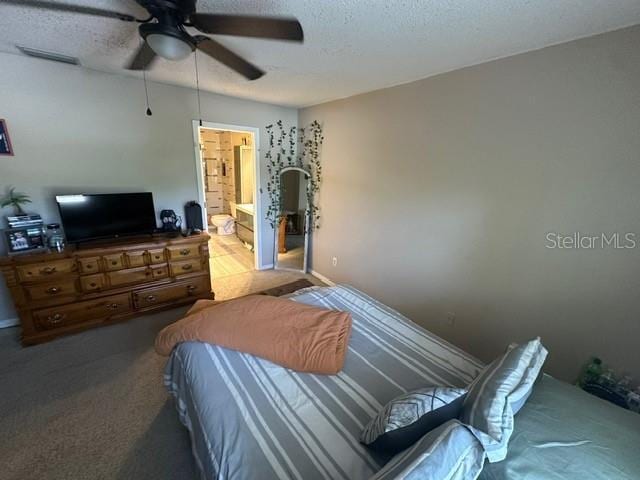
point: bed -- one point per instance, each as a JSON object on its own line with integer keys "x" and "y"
{"x": 251, "y": 419}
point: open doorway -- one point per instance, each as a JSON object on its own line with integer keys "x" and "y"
{"x": 228, "y": 189}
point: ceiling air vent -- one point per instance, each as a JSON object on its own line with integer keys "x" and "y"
{"x": 56, "y": 57}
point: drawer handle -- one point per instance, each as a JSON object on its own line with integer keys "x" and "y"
{"x": 151, "y": 298}
{"x": 191, "y": 289}
{"x": 114, "y": 262}
{"x": 53, "y": 290}
{"x": 185, "y": 251}
{"x": 157, "y": 257}
{"x": 113, "y": 306}
{"x": 93, "y": 285}
{"x": 188, "y": 266}
{"x": 88, "y": 266}
{"x": 48, "y": 270}
{"x": 55, "y": 319}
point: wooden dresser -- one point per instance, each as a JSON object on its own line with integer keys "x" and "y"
{"x": 60, "y": 293}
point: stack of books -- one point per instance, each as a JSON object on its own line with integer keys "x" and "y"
{"x": 24, "y": 221}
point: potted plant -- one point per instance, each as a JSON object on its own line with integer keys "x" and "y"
{"x": 16, "y": 200}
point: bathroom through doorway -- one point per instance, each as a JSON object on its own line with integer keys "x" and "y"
{"x": 228, "y": 190}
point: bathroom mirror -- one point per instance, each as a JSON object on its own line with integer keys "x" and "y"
{"x": 291, "y": 234}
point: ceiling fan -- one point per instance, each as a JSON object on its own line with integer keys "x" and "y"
{"x": 165, "y": 35}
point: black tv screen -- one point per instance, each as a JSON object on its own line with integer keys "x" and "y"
{"x": 90, "y": 217}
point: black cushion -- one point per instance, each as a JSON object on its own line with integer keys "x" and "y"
{"x": 406, "y": 419}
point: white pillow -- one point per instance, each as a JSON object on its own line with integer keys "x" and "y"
{"x": 449, "y": 452}
{"x": 523, "y": 391}
{"x": 503, "y": 384}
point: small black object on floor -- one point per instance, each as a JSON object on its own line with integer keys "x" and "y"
{"x": 287, "y": 288}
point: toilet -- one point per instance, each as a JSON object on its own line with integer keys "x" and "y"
{"x": 224, "y": 223}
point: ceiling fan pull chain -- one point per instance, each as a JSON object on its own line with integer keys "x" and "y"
{"x": 146, "y": 92}
{"x": 195, "y": 57}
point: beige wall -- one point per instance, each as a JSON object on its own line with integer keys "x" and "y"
{"x": 437, "y": 195}
{"x": 76, "y": 130}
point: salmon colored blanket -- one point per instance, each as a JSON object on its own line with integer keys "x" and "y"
{"x": 297, "y": 336}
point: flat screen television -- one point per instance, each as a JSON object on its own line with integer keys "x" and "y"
{"x": 101, "y": 216}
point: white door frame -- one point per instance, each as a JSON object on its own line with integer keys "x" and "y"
{"x": 257, "y": 203}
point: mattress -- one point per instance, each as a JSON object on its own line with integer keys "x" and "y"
{"x": 251, "y": 419}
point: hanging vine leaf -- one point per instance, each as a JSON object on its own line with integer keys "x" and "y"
{"x": 309, "y": 141}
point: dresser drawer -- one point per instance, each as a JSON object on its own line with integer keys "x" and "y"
{"x": 159, "y": 272}
{"x": 63, "y": 315}
{"x": 113, "y": 262}
{"x": 157, "y": 256}
{"x": 89, "y": 264}
{"x": 186, "y": 266}
{"x": 179, "y": 252}
{"x": 43, "y": 271}
{"x": 61, "y": 288}
{"x": 129, "y": 276}
{"x": 92, "y": 283}
{"x": 167, "y": 293}
{"x": 135, "y": 259}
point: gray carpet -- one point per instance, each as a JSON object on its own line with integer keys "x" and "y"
{"x": 90, "y": 406}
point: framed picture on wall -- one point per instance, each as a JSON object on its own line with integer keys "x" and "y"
{"x": 5, "y": 142}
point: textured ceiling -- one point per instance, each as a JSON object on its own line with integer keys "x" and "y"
{"x": 351, "y": 46}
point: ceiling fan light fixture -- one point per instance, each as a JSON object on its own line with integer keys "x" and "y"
{"x": 168, "y": 46}
{"x": 167, "y": 40}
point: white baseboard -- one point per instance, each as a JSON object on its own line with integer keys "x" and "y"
{"x": 266, "y": 267}
{"x": 9, "y": 322}
{"x": 322, "y": 278}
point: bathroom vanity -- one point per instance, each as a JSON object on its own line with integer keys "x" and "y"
{"x": 245, "y": 222}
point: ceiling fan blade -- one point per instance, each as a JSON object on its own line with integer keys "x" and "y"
{"x": 227, "y": 57}
{"x": 65, "y": 7}
{"x": 143, "y": 58}
{"x": 248, "y": 26}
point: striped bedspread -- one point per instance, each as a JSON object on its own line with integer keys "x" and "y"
{"x": 251, "y": 419}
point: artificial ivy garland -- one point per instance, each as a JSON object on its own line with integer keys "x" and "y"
{"x": 281, "y": 154}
